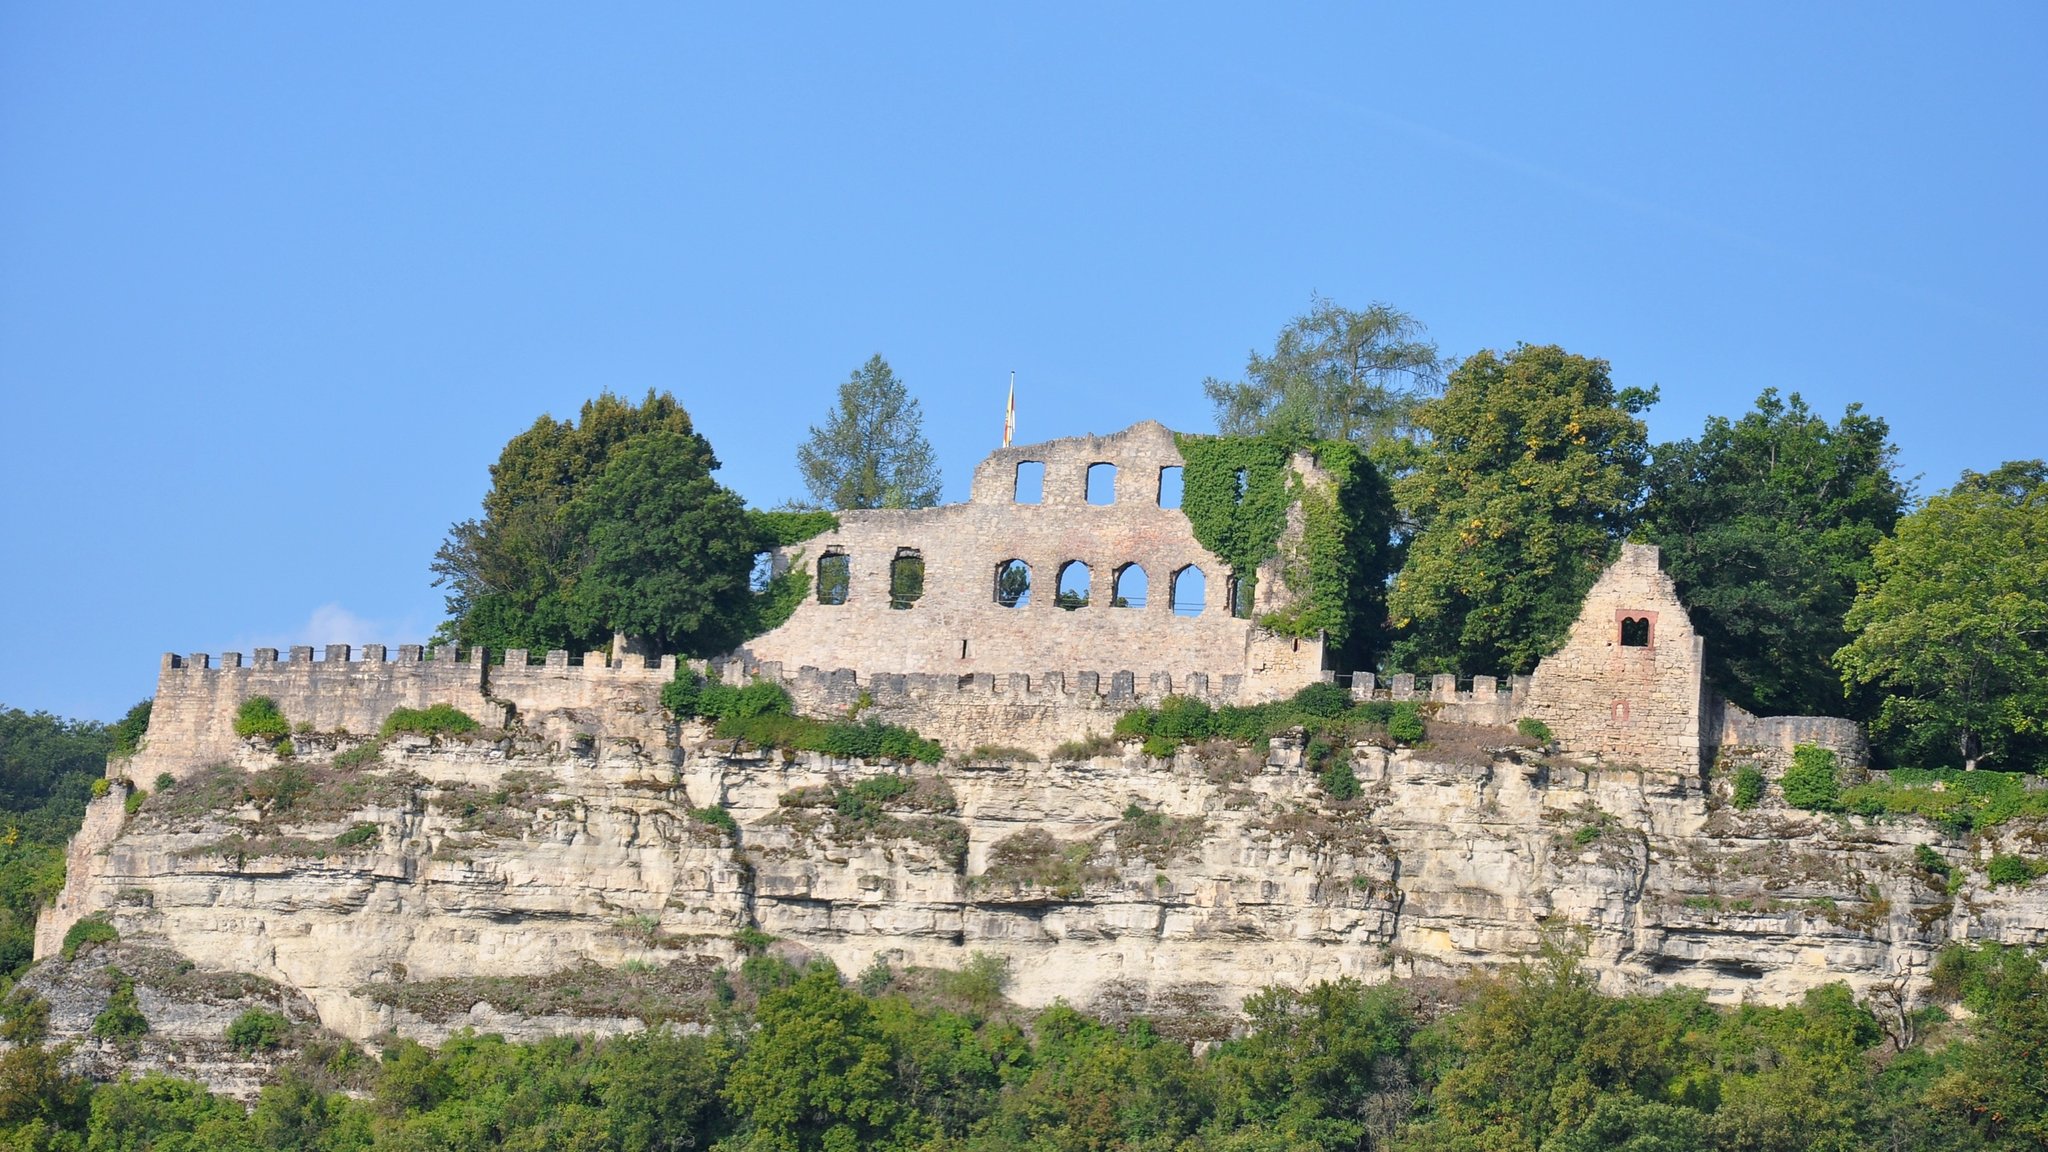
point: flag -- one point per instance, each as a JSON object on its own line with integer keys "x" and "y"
{"x": 1010, "y": 414}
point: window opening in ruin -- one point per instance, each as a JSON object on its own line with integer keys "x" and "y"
{"x": 762, "y": 572}
{"x": 1190, "y": 589}
{"x": 835, "y": 573}
{"x": 1169, "y": 486}
{"x": 906, "y": 578}
{"x": 1072, "y": 591}
{"x": 1128, "y": 588}
{"x": 1635, "y": 632}
{"x": 963, "y": 649}
{"x": 1013, "y": 583}
{"x": 1102, "y": 483}
{"x": 1237, "y": 486}
{"x": 1030, "y": 482}
{"x": 1240, "y": 590}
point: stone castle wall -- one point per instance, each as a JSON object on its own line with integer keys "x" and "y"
{"x": 958, "y": 627}
{"x": 192, "y": 721}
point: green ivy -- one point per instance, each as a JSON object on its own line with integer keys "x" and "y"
{"x": 782, "y": 529}
{"x": 1338, "y": 573}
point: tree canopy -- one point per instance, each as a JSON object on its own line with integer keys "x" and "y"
{"x": 610, "y": 522}
{"x": 1767, "y": 525}
{"x": 1531, "y": 469}
{"x": 871, "y": 453}
{"x": 1333, "y": 374}
{"x": 1953, "y": 625}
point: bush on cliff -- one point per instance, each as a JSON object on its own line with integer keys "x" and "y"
{"x": 438, "y": 720}
{"x": 1810, "y": 781}
{"x": 1320, "y": 709}
{"x": 762, "y": 714}
{"x": 260, "y": 716}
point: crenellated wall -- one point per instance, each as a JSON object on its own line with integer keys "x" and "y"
{"x": 192, "y": 722}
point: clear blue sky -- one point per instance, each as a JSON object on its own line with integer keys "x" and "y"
{"x": 278, "y": 281}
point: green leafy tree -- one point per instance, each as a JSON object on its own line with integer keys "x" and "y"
{"x": 871, "y": 453}
{"x": 47, "y": 770}
{"x": 669, "y": 548}
{"x": 1767, "y": 524}
{"x": 561, "y": 514}
{"x": 1529, "y": 476}
{"x": 1334, "y": 374}
{"x": 1953, "y": 626}
{"x": 819, "y": 1074}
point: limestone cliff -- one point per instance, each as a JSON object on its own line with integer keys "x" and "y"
{"x": 529, "y": 885}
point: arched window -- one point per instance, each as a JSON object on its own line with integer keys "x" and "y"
{"x": 1102, "y": 483}
{"x": 835, "y": 573}
{"x": 1030, "y": 482}
{"x": 1190, "y": 589}
{"x": 906, "y": 578}
{"x": 1170, "y": 480}
{"x": 1127, "y": 589}
{"x": 1635, "y": 631}
{"x": 1013, "y": 583}
{"x": 1073, "y": 585}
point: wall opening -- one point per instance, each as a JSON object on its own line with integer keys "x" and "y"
{"x": 1190, "y": 590}
{"x": 835, "y": 575}
{"x": 1013, "y": 583}
{"x": 963, "y": 649}
{"x": 762, "y": 572}
{"x": 1102, "y": 483}
{"x": 1635, "y": 631}
{"x": 1240, "y": 590}
{"x": 1170, "y": 486}
{"x": 1237, "y": 486}
{"x": 1030, "y": 487}
{"x": 906, "y": 578}
{"x": 1128, "y": 587}
{"x": 1072, "y": 590}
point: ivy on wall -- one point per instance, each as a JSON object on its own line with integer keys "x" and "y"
{"x": 1236, "y": 492}
{"x": 782, "y": 529}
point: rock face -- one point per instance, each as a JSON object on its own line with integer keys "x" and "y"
{"x": 529, "y": 885}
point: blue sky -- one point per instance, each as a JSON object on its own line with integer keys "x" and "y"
{"x": 278, "y": 281}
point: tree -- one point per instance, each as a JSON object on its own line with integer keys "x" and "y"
{"x": 1334, "y": 374}
{"x": 1767, "y": 525}
{"x": 564, "y": 510}
{"x": 871, "y": 453}
{"x": 1953, "y": 626}
{"x": 669, "y": 548}
{"x": 1531, "y": 471}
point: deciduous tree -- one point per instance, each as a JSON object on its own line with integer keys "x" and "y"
{"x": 1530, "y": 472}
{"x": 1334, "y": 374}
{"x": 1767, "y": 525}
{"x": 1953, "y": 626}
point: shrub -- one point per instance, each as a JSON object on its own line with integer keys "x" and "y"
{"x": 1161, "y": 747}
{"x": 437, "y": 720}
{"x": 1810, "y": 782}
{"x": 1087, "y": 749}
{"x": 133, "y": 803}
{"x": 716, "y": 817}
{"x": 1338, "y": 781}
{"x": 259, "y": 716}
{"x": 1749, "y": 787}
{"x": 1931, "y": 861}
{"x": 2008, "y": 869}
{"x": 257, "y": 1031}
{"x": 122, "y": 1018}
{"x": 1000, "y": 754}
{"x": 1534, "y": 729}
{"x": 980, "y": 982}
{"x": 89, "y": 931}
{"x": 1327, "y": 701}
{"x": 129, "y": 730}
{"x": 101, "y": 786}
{"x": 681, "y": 695}
{"x": 164, "y": 780}
{"x": 357, "y": 834}
{"x": 1405, "y": 725}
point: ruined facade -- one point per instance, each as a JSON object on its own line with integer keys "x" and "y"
{"x": 975, "y": 589}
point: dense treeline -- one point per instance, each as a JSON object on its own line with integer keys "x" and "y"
{"x": 48, "y": 768}
{"x": 1537, "y": 1059}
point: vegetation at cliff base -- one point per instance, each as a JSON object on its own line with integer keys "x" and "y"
{"x": 1531, "y": 1060}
